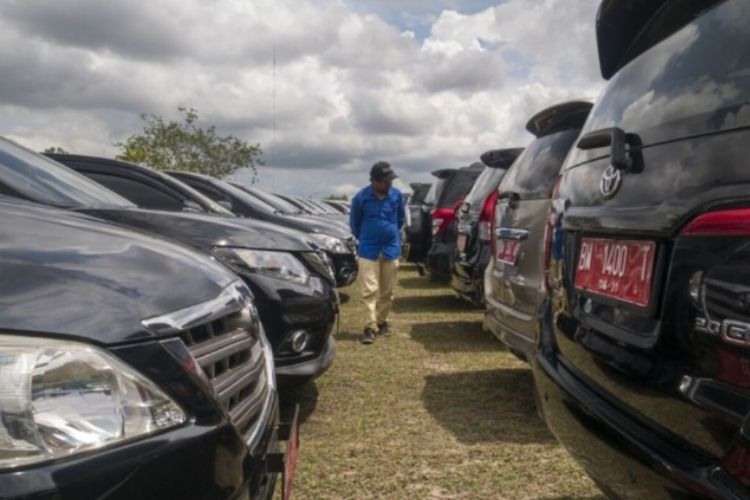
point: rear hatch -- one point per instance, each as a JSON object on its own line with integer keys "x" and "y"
{"x": 653, "y": 308}
{"x": 524, "y": 197}
{"x": 420, "y": 235}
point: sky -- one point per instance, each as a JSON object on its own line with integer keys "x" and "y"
{"x": 422, "y": 84}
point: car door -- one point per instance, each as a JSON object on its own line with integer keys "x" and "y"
{"x": 521, "y": 214}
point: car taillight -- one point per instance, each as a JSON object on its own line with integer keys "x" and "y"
{"x": 549, "y": 230}
{"x": 731, "y": 222}
{"x": 487, "y": 217}
{"x": 441, "y": 219}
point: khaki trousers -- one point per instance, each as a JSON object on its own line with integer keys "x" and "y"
{"x": 378, "y": 285}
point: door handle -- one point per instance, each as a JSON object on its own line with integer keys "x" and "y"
{"x": 509, "y": 233}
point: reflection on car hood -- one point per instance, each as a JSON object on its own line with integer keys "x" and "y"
{"x": 205, "y": 232}
{"x": 67, "y": 274}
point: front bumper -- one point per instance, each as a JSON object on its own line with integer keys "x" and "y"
{"x": 297, "y": 373}
{"x": 625, "y": 456}
{"x": 201, "y": 462}
{"x": 285, "y": 308}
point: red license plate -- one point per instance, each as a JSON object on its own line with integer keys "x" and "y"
{"x": 292, "y": 453}
{"x": 461, "y": 242}
{"x": 507, "y": 251}
{"x": 618, "y": 269}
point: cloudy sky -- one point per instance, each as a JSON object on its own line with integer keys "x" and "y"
{"x": 424, "y": 84}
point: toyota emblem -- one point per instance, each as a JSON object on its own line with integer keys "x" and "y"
{"x": 610, "y": 182}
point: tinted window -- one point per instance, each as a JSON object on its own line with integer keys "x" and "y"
{"x": 434, "y": 193}
{"x": 694, "y": 81}
{"x": 484, "y": 185}
{"x": 201, "y": 199}
{"x": 37, "y": 178}
{"x": 534, "y": 172}
{"x": 231, "y": 191}
{"x": 282, "y": 206}
{"x": 140, "y": 193}
{"x": 456, "y": 187}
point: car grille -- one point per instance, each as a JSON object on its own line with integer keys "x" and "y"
{"x": 351, "y": 243}
{"x": 225, "y": 338}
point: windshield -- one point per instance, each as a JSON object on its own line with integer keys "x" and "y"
{"x": 29, "y": 175}
{"x": 280, "y": 205}
{"x": 196, "y": 196}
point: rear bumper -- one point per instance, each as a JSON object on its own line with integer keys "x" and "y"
{"x": 518, "y": 343}
{"x": 300, "y": 373}
{"x": 625, "y": 456}
{"x": 440, "y": 260}
{"x": 467, "y": 278}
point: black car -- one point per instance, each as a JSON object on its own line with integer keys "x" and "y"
{"x": 131, "y": 367}
{"x": 474, "y": 227}
{"x": 342, "y": 206}
{"x": 453, "y": 186}
{"x": 292, "y": 285}
{"x": 515, "y": 281}
{"x": 643, "y": 367}
{"x": 417, "y": 237}
{"x": 339, "y": 246}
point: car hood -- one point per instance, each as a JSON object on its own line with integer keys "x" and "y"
{"x": 66, "y": 274}
{"x": 205, "y": 232}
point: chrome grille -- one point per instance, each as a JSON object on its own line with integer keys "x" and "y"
{"x": 225, "y": 339}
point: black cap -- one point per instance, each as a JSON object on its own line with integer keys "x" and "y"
{"x": 382, "y": 171}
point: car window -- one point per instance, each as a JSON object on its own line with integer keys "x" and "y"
{"x": 141, "y": 193}
{"x": 487, "y": 182}
{"x": 534, "y": 172}
{"x": 692, "y": 82}
{"x": 434, "y": 193}
{"x": 457, "y": 186}
{"x": 282, "y": 206}
{"x": 233, "y": 191}
{"x": 35, "y": 177}
{"x": 190, "y": 192}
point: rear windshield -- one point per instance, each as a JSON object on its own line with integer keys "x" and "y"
{"x": 35, "y": 177}
{"x": 434, "y": 193}
{"x": 534, "y": 172}
{"x": 484, "y": 185}
{"x": 695, "y": 81}
{"x": 456, "y": 187}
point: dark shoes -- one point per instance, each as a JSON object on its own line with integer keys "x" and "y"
{"x": 384, "y": 330}
{"x": 368, "y": 337}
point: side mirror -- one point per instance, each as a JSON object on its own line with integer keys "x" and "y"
{"x": 192, "y": 207}
{"x": 225, "y": 204}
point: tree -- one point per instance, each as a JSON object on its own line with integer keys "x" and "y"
{"x": 186, "y": 146}
{"x": 54, "y": 149}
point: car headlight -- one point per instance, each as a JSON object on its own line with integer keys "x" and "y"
{"x": 330, "y": 243}
{"x": 279, "y": 265}
{"x": 60, "y": 398}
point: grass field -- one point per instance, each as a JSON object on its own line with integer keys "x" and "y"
{"x": 438, "y": 410}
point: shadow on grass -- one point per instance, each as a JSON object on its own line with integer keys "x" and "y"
{"x": 430, "y": 303}
{"x": 486, "y": 406}
{"x": 305, "y": 396}
{"x": 347, "y": 336}
{"x": 419, "y": 283}
{"x": 455, "y": 336}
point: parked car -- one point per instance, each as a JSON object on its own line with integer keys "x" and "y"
{"x": 454, "y": 185}
{"x": 131, "y": 367}
{"x": 515, "y": 290}
{"x": 473, "y": 226}
{"x": 342, "y": 206}
{"x": 292, "y": 285}
{"x": 339, "y": 245}
{"x": 644, "y": 357}
{"x": 417, "y": 230}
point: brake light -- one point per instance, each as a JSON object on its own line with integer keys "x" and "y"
{"x": 487, "y": 217}
{"x": 441, "y": 219}
{"x": 549, "y": 230}
{"x": 732, "y": 222}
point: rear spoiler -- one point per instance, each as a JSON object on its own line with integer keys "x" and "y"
{"x": 565, "y": 116}
{"x": 415, "y": 186}
{"x": 476, "y": 166}
{"x": 444, "y": 173}
{"x": 501, "y": 158}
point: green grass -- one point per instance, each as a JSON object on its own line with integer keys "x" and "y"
{"x": 438, "y": 410}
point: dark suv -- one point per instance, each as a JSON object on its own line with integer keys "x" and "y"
{"x": 474, "y": 223}
{"x": 416, "y": 230}
{"x": 515, "y": 280}
{"x": 643, "y": 369}
{"x": 131, "y": 367}
{"x": 291, "y": 283}
{"x": 339, "y": 245}
{"x": 451, "y": 188}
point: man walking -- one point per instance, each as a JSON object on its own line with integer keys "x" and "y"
{"x": 376, "y": 218}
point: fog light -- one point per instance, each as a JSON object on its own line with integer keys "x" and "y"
{"x": 299, "y": 340}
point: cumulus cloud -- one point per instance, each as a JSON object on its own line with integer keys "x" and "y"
{"x": 351, "y": 84}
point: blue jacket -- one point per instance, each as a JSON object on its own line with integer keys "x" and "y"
{"x": 377, "y": 223}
